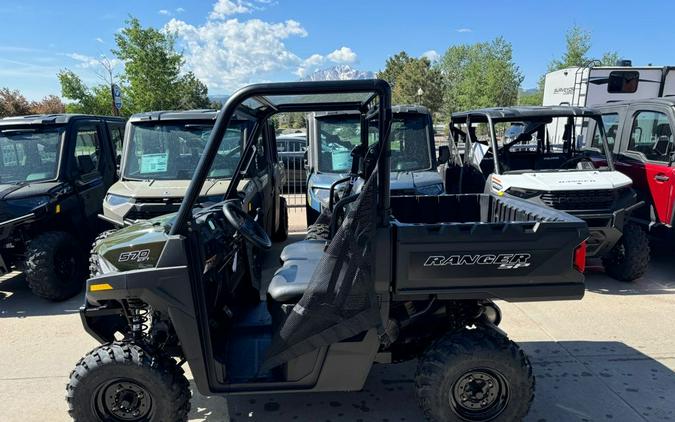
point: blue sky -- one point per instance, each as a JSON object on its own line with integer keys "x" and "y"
{"x": 228, "y": 43}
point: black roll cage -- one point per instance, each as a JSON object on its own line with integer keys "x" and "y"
{"x": 542, "y": 114}
{"x": 379, "y": 89}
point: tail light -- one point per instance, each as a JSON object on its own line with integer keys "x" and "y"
{"x": 580, "y": 257}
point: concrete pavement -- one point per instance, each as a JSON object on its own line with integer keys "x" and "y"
{"x": 610, "y": 356}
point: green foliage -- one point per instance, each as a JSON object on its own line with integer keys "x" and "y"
{"x": 480, "y": 75}
{"x": 95, "y": 100}
{"x": 416, "y": 77}
{"x": 531, "y": 98}
{"x": 394, "y": 66}
{"x": 151, "y": 79}
{"x": 578, "y": 44}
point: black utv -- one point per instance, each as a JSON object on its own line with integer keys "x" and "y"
{"x": 54, "y": 173}
{"x": 402, "y": 277}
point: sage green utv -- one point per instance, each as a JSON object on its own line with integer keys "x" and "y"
{"x": 161, "y": 152}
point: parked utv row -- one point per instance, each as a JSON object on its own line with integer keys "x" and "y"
{"x": 401, "y": 263}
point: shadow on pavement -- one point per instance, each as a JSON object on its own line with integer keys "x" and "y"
{"x": 17, "y": 301}
{"x": 575, "y": 381}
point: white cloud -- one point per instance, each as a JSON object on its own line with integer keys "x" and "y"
{"x": 180, "y": 10}
{"x": 342, "y": 55}
{"x": 463, "y": 30}
{"x": 88, "y": 62}
{"x": 310, "y": 64}
{"x": 224, "y": 8}
{"x": 226, "y": 54}
{"x": 432, "y": 55}
{"x": 164, "y": 12}
{"x": 99, "y": 40}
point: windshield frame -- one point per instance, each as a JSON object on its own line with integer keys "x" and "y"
{"x": 133, "y": 126}
{"x": 64, "y": 132}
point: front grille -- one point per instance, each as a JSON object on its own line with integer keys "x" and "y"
{"x": 583, "y": 200}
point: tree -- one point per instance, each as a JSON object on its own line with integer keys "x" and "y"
{"x": 51, "y": 104}
{"x": 578, "y": 44}
{"x": 480, "y": 75}
{"x": 192, "y": 93}
{"x": 152, "y": 70}
{"x": 13, "y": 103}
{"x": 419, "y": 83}
{"x": 394, "y": 66}
{"x": 96, "y": 100}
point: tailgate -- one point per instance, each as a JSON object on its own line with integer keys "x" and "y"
{"x": 513, "y": 261}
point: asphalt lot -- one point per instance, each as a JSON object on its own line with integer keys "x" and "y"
{"x": 610, "y": 356}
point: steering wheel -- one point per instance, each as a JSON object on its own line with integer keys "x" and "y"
{"x": 245, "y": 225}
{"x": 576, "y": 160}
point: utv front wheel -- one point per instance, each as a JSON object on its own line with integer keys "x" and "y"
{"x": 55, "y": 266}
{"x": 474, "y": 375}
{"x": 318, "y": 231}
{"x": 121, "y": 381}
{"x": 281, "y": 233}
{"x": 629, "y": 258}
{"x": 94, "y": 268}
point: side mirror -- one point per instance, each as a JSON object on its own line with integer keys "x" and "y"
{"x": 443, "y": 154}
{"x": 85, "y": 164}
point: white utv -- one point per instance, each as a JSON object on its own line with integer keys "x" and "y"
{"x": 547, "y": 163}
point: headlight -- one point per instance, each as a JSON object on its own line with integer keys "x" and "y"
{"x": 115, "y": 200}
{"x": 322, "y": 195}
{"x": 523, "y": 193}
{"x": 436, "y": 189}
{"x": 30, "y": 202}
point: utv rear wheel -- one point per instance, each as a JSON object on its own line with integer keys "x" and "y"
{"x": 94, "y": 268}
{"x": 318, "y": 231}
{"x": 121, "y": 381}
{"x": 474, "y": 375}
{"x": 55, "y": 266}
{"x": 629, "y": 258}
{"x": 281, "y": 233}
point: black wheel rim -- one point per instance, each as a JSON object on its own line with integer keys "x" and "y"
{"x": 65, "y": 265}
{"x": 124, "y": 400}
{"x": 479, "y": 395}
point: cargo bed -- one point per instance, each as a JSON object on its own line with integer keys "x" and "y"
{"x": 481, "y": 246}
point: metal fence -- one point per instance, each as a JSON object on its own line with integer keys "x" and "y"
{"x": 292, "y": 152}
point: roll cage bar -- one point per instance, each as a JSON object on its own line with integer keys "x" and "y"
{"x": 273, "y": 98}
{"x": 491, "y": 116}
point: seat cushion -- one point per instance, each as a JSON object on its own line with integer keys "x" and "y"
{"x": 291, "y": 280}
{"x": 304, "y": 249}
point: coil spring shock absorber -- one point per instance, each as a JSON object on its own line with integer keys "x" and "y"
{"x": 138, "y": 315}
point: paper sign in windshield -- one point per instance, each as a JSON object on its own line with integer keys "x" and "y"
{"x": 154, "y": 163}
{"x": 342, "y": 160}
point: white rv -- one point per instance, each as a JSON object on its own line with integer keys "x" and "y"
{"x": 589, "y": 86}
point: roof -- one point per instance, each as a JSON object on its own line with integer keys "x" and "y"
{"x": 36, "y": 119}
{"x": 201, "y": 114}
{"x": 395, "y": 109}
{"x": 667, "y": 101}
{"x": 523, "y": 113}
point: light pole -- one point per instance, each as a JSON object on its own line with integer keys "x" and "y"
{"x": 420, "y": 92}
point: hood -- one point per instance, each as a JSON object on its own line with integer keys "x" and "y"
{"x": 563, "y": 181}
{"x": 146, "y": 237}
{"x": 21, "y": 190}
{"x": 166, "y": 188}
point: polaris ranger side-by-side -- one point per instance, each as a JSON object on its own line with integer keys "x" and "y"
{"x": 401, "y": 277}
{"x": 333, "y": 135}
{"x": 54, "y": 172}
{"x": 547, "y": 163}
{"x": 161, "y": 152}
